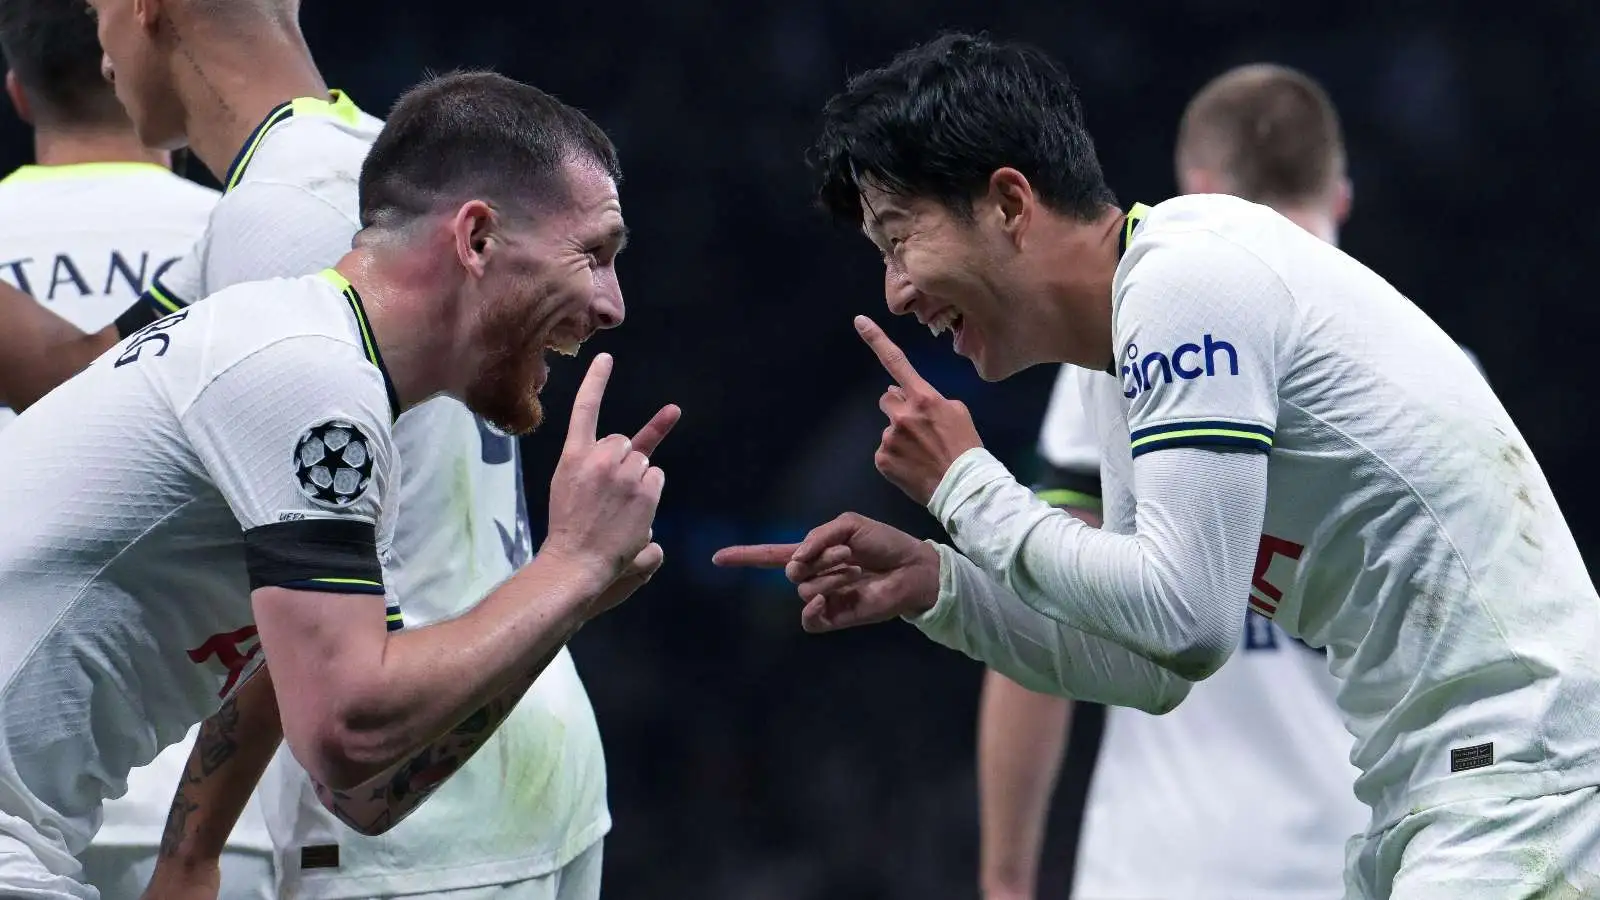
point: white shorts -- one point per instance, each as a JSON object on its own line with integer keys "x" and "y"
{"x": 577, "y": 880}
{"x": 122, "y": 872}
{"x": 1512, "y": 849}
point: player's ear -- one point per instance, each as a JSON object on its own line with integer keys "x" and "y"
{"x": 146, "y": 12}
{"x": 1343, "y": 199}
{"x": 19, "y": 99}
{"x": 473, "y": 231}
{"x": 1011, "y": 200}
{"x": 1197, "y": 180}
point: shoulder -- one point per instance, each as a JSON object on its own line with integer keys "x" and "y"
{"x": 1198, "y": 259}
{"x": 284, "y": 329}
{"x": 317, "y": 154}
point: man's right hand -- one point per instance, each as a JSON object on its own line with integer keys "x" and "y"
{"x": 849, "y": 572}
{"x": 604, "y": 494}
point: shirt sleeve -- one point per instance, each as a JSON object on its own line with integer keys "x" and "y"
{"x": 1173, "y": 592}
{"x": 296, "y": 437}
{"x": 1202, "y": 324}
{"x": 983, "y": 619}
{"x": 1067, "y": 468}
{"x": 268, "y": 229}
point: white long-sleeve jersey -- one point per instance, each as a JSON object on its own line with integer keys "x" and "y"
{"x": 1307, "y": 443}
{"x": 1257, "y": 757}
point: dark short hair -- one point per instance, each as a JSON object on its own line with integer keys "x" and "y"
{"x": 1270, "y": 129}
{"x": 940, "y": 118}
{"x": 52, "y": 47}
{"x": 475, "y": 135}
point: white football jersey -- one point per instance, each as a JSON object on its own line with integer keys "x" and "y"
{"x": 86, "y": 240}
{"x": 533, "y": 797}
{"x": 1245, "y": 791}
{"x": 1407, "y": 528}
{"x": 234, "y": 445}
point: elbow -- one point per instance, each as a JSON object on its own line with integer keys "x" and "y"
{"x": 1174, "y": 692}
{"x": 1199, "y": 659}
{"x": 346, "y": 749}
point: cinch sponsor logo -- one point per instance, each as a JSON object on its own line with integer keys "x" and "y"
{"x": 1188, "y": 362}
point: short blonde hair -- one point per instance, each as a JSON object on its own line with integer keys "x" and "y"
{"x": 1270, "y": 130}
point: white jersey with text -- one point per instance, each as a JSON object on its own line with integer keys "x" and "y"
{"x": 85, "y": 240}
{"x": 533, "y": 797}
{"x": 1407, "y": 528}
{"x": 235, "y": 445}
{"x": 1245, "y": 791}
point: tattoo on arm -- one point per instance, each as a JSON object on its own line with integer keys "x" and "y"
{"x": 379, "y": 804}
{"x": 217, "y": 743}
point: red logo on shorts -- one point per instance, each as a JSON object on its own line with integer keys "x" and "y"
{"x": 230, "y": 649}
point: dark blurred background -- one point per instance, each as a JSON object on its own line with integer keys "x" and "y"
{"x": 748, "y": 760}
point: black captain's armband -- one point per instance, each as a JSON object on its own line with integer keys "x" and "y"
{"x": 1067, "y": 488}
{"x": 338, "y": 556}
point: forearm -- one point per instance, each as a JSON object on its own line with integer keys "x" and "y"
{"x": 984, "y": 619}
{"x": 384, "y": 801}
{"x": 232, "y": 750}
{"x": 39, "y": 350}
{"x": 418, "y": 684}
{"x": 1173, "y": 593}
{"x": 1021, "y": 737}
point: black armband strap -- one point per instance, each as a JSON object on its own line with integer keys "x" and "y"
{"x": 1069, "y": 488}
{"x": 155, "y": 303}
{"x": 339, "y": 556}
{"x": 137, "y": 316}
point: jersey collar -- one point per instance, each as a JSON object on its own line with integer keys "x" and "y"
{"x": 369, "y": 345}
{"x": 81, "y": 170}
{"x": 1136, "y": 216}
{"x": 337, "y": 105}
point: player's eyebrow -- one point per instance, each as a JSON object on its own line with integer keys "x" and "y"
{"x": 616, "y": 237}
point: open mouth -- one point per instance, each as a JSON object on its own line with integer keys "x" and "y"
{"x": 946, "y": 319}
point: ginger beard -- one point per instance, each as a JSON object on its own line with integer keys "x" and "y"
{"x": 506, "y": 391}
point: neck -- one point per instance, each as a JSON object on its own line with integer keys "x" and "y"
{"x": 1075, "y": 323}
{"x": 401, "y": 293}
{"x": 68, "y": 147}
{"x": 229, "y": 80}
{"x": 1316, "y": 221}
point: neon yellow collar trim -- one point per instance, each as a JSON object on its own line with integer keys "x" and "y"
{"x": 81, "y": 170}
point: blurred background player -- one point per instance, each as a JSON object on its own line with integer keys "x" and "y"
{"x": 236, "y": 83}
{"x": 84, "y": 230}
{"x": 1245, "y": 790}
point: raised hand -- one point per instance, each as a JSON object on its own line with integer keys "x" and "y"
{"x": 604, "y": 494}
{"x": 851, "y": 571}
{"x": 927, "y": 432}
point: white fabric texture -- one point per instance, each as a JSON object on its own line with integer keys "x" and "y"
{"x": 122, "y": 572}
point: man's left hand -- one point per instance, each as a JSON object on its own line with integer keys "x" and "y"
{"x": 926, "y": 432}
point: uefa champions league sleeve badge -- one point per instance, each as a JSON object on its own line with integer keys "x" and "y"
{"x": 333, "y": 463}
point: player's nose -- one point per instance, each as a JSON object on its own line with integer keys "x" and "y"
{"x": 608, "y": 308}
{"x": 898, "y": 291}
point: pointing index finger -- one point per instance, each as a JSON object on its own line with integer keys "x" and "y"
{"x": 893, "y": 358}
{"x": 585, "y": 422}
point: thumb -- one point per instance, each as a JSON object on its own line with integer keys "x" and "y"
{"x": 645, "y": 563}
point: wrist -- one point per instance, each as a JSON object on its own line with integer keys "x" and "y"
{"x": 574, "y": 577}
